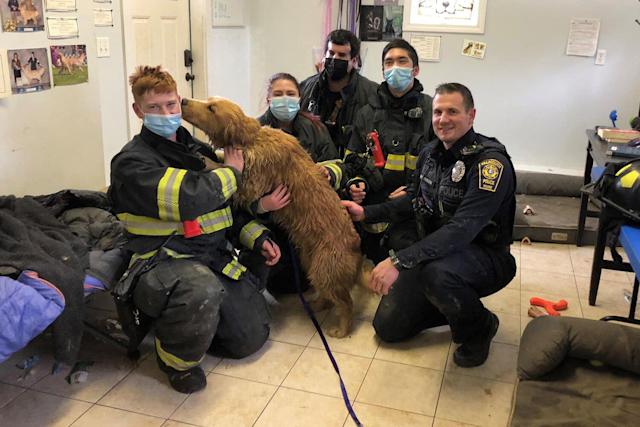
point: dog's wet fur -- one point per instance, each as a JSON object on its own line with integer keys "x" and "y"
{"x": 319, "y": 228}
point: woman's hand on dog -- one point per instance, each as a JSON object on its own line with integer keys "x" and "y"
{"x": 233, "y": 157}
{"x": 271, "y": 252}
{"x": 356, "y": 212}
{"x": 383, "y": 276}
{"x": 278, "y": 199}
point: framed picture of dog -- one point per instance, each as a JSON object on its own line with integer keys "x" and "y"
{"x": 70, "y": 65}
{"x": 445, "y": 16}
{"x": 22, "y": 15}
{"x": 29, "y": 70}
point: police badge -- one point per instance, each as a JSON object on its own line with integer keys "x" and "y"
{"x": 458, "y": 171}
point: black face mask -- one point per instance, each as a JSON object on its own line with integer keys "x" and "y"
{"x": 336, "y": 68}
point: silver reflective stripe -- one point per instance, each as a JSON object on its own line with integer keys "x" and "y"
{"x": 169, "y": 194}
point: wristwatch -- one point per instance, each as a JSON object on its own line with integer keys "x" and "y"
{"x": 394, "y": 259}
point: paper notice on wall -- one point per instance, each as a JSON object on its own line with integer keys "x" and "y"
{"x": 583, "y": 36}
{"x": 427, "y": 47}
{"x": 62, "y": 28}
{"x": 61, "y": 5}
{"x": 473, "y": 48}
{"x": 103, "y": 17}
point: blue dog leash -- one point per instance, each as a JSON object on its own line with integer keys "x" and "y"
{"x": 305, "y": 304}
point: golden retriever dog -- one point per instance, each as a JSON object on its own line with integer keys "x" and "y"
{"x": 28, "y": 12}
{"x": 69, "y": 63}
{"x": 319, "y": 228}
{"x": 32, "y": 76}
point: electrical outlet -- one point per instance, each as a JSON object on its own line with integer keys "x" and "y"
{"x": 103, "y": 48}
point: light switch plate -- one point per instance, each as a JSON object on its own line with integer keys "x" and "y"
{"x": 103, "y": 48}
{"x": 601, "y": 56}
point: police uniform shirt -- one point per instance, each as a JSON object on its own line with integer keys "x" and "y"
{"x": 468, "y": 194}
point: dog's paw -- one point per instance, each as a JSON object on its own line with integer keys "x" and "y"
{"x": 337, "y": 332}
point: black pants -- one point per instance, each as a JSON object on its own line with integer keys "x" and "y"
{"x": 280, "y": 278}
{"x": 444, "y": 291}
{"x": 190, "y": 304}
{"x": 397, "y": 236}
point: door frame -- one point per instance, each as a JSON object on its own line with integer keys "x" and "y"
{"x": 197, "y": 18}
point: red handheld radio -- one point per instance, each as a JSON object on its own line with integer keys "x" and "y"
{"x": 373, "y": 141}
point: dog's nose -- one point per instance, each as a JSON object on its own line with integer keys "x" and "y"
{"x": 184, "y": 102}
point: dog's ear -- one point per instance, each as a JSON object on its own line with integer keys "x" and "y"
{"x": 241, "y": 130}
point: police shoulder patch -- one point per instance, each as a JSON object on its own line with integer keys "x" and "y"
{"x": 489, "y": 174}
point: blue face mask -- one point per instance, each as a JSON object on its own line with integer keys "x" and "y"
{"x": 399, "y": 78}
{"x": 163, "y": 125}
{"x": 284, "y": 108}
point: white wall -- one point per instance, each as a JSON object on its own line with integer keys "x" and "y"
{"x": 278, "y": 36}
{"x": 113, "y": 87}
{"x": 529, "y": 94}
{"x": 52, "y": 139}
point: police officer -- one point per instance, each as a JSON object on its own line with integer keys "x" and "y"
{"x": 177, "y": 214}
{"x": 463, "y": 198}
{"x": 338, "y": 91}
{"x": 399, "y": 119}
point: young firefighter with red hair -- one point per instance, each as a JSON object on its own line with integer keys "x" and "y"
{"x": 182, "y": 232}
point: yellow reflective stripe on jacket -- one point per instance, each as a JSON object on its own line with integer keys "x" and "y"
{"x": 250, "y": 232}
{"x": 347, "y": 152}
{"x": 227, "y": 181}
{"x": 395, "y": 162}
{"x": 174, "y": 361}
{"x": 216, "y": 220}
{"x": 234, "y": 269}
{"x": 147, "y": 226}
{"x": 169, "y": 194}
{"x": 376, "y": 228}
{"x": 337, "y": 173}
{"x": 411, "y": 161}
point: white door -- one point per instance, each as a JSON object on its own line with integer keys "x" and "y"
{"x": 156, "y": 32}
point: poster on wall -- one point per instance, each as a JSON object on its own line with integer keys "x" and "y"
{"x": 392, "y": 22}
{"x": 29, "y": 70}
{"x": 61, "y": 5}
{"x": 380, "y": 20}
{"x": 446, "y": 16}
{"x": 371, "y": 23}
{"x": 69, "y": 64}
{"x": 22, "y": 15}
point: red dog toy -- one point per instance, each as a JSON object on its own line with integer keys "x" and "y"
{"x": 551, "y": 307}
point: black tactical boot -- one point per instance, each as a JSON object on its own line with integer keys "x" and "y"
{"x": 188, "y": 381}
{"x": 475, "y": 351}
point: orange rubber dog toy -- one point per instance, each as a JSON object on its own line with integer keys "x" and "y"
{"x": 551, "y": 307}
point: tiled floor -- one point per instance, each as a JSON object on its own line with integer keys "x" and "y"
{"x": 290, "y": 381}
